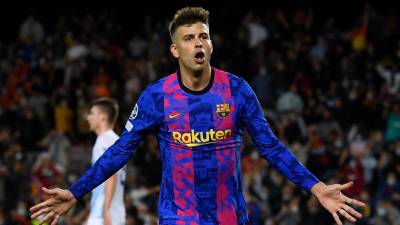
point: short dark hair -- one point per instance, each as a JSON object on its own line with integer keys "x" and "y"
{"x": 188, "y": 15}
{"x": 108, "y": 106}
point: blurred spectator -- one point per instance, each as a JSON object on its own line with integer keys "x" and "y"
{"x": 290, "y": 101}
{"x": 313, "y": 214}
{"x": 391, "y": 189}
{"x": 258, "y": 33}
{"x": 289, "y": 213}
{"x": 31, "y": 31}
{"x": 58, "y": 146}
{"x": 101, "y": 83}
{"x": 393, "y": 124}
{"x": 45, "y": 171}
{"x": 15, "y": 176}
{"x": 391, "y": 75}
{"x": 31, "y": 129}
{"x": 263, "y": 87}
{"x": 384, "y": 214}
{"x": 137, "y": 47}
{"x": 20, "y": 216}
{"x": 63, "y": 116}
{"x": 352, "y": 170}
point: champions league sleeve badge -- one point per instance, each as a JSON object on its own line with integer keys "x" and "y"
{"x": 134, "y": 112}
{"x": 129, "y": 125}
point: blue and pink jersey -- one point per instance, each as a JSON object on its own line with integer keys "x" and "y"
{"x": 200, "y": 135}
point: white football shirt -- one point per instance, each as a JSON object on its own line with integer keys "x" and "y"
{"x": 117, "y": 208}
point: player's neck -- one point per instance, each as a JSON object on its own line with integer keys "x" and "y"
{"x": 102, "y": 128}
{"x": 196, "y": 81}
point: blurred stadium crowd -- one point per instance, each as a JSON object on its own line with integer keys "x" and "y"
{"x": 330, "y": 90}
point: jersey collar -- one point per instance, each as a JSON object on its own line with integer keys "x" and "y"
{"x": 205, "y": 90}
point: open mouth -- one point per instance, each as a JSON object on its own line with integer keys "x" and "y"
{"x": 199, "y": 57}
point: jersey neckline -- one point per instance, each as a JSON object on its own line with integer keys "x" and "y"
{"x": 186, "y": 89}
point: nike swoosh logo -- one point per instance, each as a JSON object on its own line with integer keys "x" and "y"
{"x": 171, "y": 116}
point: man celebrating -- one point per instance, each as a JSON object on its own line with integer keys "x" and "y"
{"x": 200, "y": 114}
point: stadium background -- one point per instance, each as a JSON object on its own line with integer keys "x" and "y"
{"x": 329, "y": 81}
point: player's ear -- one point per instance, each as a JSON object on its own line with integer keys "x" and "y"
{"x": 174, "y": 50}
{"x": 103, "y": 117}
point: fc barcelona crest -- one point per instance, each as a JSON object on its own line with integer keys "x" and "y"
{"x": 223, "y": 110}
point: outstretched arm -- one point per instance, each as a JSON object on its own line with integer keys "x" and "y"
{"x": 59, "y": 202}
{"x": 112, "y": 160}
{"x": 269, "y": 146}
{"x": 280, "y": 157}
{"x": 332, "y": 198}
{"x": 143, "y": 117}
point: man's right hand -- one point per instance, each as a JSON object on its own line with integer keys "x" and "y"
{"x": 60, "y": 202}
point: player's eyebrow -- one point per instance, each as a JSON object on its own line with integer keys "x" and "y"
{"x": 202, "y": 34}
{"x": 188, "y": 35}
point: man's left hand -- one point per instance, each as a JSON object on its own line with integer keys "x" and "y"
{"x": 332, "y": 198}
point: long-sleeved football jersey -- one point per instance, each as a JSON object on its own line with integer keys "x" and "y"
{"x": 200, "y": 135}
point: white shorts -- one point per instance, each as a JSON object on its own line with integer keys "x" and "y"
{"x": 95, "y": 221}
